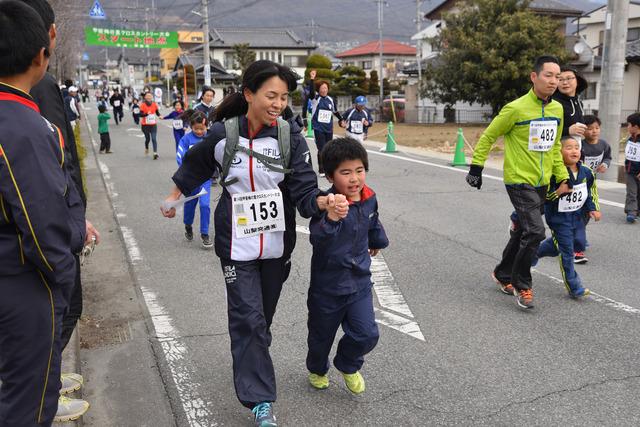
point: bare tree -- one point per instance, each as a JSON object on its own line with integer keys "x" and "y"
{"x": 70, "y": 28}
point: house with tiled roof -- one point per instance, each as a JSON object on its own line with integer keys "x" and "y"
{"x": 395, "y": 56}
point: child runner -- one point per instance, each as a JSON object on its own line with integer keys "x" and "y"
{"x": 103, "y": 130}
{"x": 357, "y": 120}
{"x": 632, "y": 167}
{"x": 340, "y": 291}
{"x": 135, "y": 110}
{"x": 596, "y": 155}
{"x": 323, "y": 110}
{"x": 149, "y": 112}
{"x": 198, "y": 123}
{"x": 117, "y": 102}
{"x": 178, "y": 124}
{"x": 565, "y": 216}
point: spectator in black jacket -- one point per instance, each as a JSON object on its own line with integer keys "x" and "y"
{"x": 571, "y": 85}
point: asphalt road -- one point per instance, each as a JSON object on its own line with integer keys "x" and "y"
{"x": 482, "y": 361}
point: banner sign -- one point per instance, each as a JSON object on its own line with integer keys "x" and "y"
{"x": 130, "y": 38}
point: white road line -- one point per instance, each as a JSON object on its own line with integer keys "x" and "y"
{"x": 389, "y": 297}
{"x": 594, "y": 296}
{"x": 484, "y": 175}
{"x": 175, "y": 351}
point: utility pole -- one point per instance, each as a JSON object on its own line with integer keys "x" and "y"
{"x": 380, "y": 46}
{"x": 206, "y": 50}
{"x": 611, "y": 78}
{"x": 146, "y": 23}
{"x": 419, "y": 48}
{"x": 313, "y": 31}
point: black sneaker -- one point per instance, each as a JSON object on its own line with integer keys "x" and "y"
{"x": 206, "y": 241}
{"x": 264, "y": 415}
{"x": 155, "y": 156}
{"x": 188, "y": 232}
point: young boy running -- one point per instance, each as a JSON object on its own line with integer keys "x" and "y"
{"x": 340, "y": 291}
{"x": 103, "y": 129}
{"x": 632, "y": 167}
{"x": 596, "y": 155}
{"x": 565, "y": 216}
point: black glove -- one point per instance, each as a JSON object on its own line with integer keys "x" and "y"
{"x": 474, "y": 177}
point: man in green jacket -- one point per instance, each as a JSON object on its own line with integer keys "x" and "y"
{"x": 532, "y": 128}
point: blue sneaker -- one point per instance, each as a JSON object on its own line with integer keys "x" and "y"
{"x": 631, "y": 218}
{"x": 579, "y": 293}
{"x": 264, "y": 415}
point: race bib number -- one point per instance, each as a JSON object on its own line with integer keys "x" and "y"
{"x": 258, "y": 212}
{"x": 324, "y": 116}
{"x": 632, "y": 151}
{"x": 177, "y": 124}
{"x": 575, "y": 200}
{"x": 151, "y": 119}
{"x": 542, "y": 134}
{"x": 116, "y": 103}
{"x": 593, "y": 161}
{"x": 136, "y": 111}
{"x": 356, "y": 126}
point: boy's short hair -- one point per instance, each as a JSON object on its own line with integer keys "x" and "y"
{"x": 44, "y": 9}
{"x": 568, "y": 138}
{"x": 538, "y": 65}
{"x": 102, "y": 108}
{"x": 22, "y": 35}
{"x": 590, "y": 119}
{"x": 340, "y": 149}
{"x": 634, "y": 119}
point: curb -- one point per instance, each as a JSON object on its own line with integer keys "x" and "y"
{"x": 71, "y": 363}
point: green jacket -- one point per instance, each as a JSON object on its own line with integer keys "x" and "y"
{"x": 521, "y": 165}
{"x": 103, "y": 126}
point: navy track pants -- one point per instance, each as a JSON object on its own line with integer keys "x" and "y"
{"x": 326, "y": 313}
{"x": 253, "y": 290}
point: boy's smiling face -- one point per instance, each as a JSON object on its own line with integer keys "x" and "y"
{"x": 349, "y": 179}
{"x": 633, "y": 130}
{"x": 570, "y": 151}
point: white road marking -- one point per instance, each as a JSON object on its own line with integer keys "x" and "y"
{"x": 395, "y": 314}
{"x": 594, "y": 296}
{"x": 174, "y": 349}
{"x": 484, "y": 175}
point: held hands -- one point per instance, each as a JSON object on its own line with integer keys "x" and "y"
{"x": 563, "y": 189}
{"x": 596, "y": 215}
{"x": 474, "y": 177}
{"x": 374, "y": 252}
{"x": 173, "y": 196}
{"x": 337, "y": 207}
{"x": 342, "y": 123}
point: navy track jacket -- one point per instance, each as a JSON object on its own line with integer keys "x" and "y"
{"x": 41, "y": 214}
{"x": 341, "y": 264}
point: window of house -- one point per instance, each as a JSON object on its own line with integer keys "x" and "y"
{"x": 591, "y": 91}
{"x": 366, "y": 65}
{"x": 633, "y": 34}
{"x": 229, "y": 61}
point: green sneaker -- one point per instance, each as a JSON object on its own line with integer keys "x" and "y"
{"x": 354, "y": 382}
{"x": 319, "y": 381}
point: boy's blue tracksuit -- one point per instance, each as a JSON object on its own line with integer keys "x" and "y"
{"x": 178, "y": 126}
{"x": 188, "y": 141}
{"x": 568, "y": 228}
{"x": 340, "y": 291}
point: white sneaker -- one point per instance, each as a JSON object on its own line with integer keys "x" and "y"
{"x": 70, "y": 383}
{"x": 70, "y": 409}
